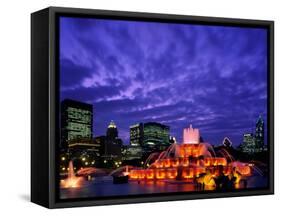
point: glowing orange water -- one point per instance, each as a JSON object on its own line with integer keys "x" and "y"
{"x": 188, "y": 162}
{"x": 72, "y": 181}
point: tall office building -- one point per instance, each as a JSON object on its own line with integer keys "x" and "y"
{"x": 110, "y": 144}
{"x": 155, "y": 134}
{"x": 136, "y": 134}
{"x": 254, "y": 143}
{"x": 112, "y": 131}
{"x": 76, "y": 121}
{"x": 101, "y": 142}
{"x": 248, "y": 144}
{"x": 149, "y": 134}
{"x": 259, "y": 133}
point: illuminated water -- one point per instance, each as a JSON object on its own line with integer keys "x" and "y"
{"x": 104, "y": 187}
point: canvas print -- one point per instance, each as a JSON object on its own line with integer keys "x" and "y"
{"x": 161, "y": 108}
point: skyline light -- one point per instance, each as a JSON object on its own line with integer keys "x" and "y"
{"x": 212, "y": 77}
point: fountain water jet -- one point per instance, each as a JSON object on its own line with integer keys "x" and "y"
{"x": 72, "y": 181}
{"x": 190, "y": 160}
{"x": 150, "y": 157}
{"x": 124, "y": 170}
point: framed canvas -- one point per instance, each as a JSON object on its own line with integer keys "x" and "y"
{"x": 139, "y": 107}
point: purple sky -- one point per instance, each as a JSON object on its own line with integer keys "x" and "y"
{"x": 177, "y": 74}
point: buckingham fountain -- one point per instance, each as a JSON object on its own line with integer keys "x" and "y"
{"x": 187, "y": 166}
{"x": 189, "y": 160}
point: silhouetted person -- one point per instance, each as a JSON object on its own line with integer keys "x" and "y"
{"x": 222, "y": 181}
{"x": 231, "y": 181}
{"x": 179, "y": 173}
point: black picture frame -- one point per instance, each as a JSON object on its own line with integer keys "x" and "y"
{"x": 45, "y": 104}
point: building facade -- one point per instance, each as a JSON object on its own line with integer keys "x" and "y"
{"x": 156, "y": 134}
{"x": 85, "y": 145}
{"x": 149, "y": 134}
{"x": 110, "y": 144}
{"x": 259, "y": 133}
{"x": 112, "y": 131}
{"x": 76, "y": 121}
{"x": 248, "y": 145}
{"x": 131, "y": 153}
{"x": 254, "y": 143}
{"x": 136, "y": 135}
{"x": 150, "y": 137}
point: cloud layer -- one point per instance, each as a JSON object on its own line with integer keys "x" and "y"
{"x": 213, "y": 77}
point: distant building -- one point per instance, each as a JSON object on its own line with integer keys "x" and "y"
{"x": 113, "y": 142}
{"x": 101, "y": 141}
{"x": 131, "y": 153}
{"x": 110, "y": 144}
{"x": 259, "y": 133}
{"x": 155, "y": 134}
{"x": 76, "y": 121}
{"x": 151, "y": 137}
{"x": 254, "y": 143}
{"x": 136, "y": 134}
{"x": 88, "y": 145}
{"x": 248, "y": 145}
{"x": 112, "y": 131}
{"x": 149, "y": 134}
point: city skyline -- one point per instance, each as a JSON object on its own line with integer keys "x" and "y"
{"x": 135, "y": 72}
{"x": 128, "y": 141}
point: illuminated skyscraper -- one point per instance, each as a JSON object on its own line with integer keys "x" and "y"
{"x": 76, "y": 121}
{"x": 136, "y": 134}
{"x": 248, "y": 144}
{"x": 254, "y": 143}
{"x": 155, "y": 134}
{"x": 111, "y": 143}
{"x": 149, "y": 134}
{"x": 112, "y": 131}
{"x": 259, "y": 136}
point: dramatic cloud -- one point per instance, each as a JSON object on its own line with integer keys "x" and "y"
{"x": 213, "y": 77}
